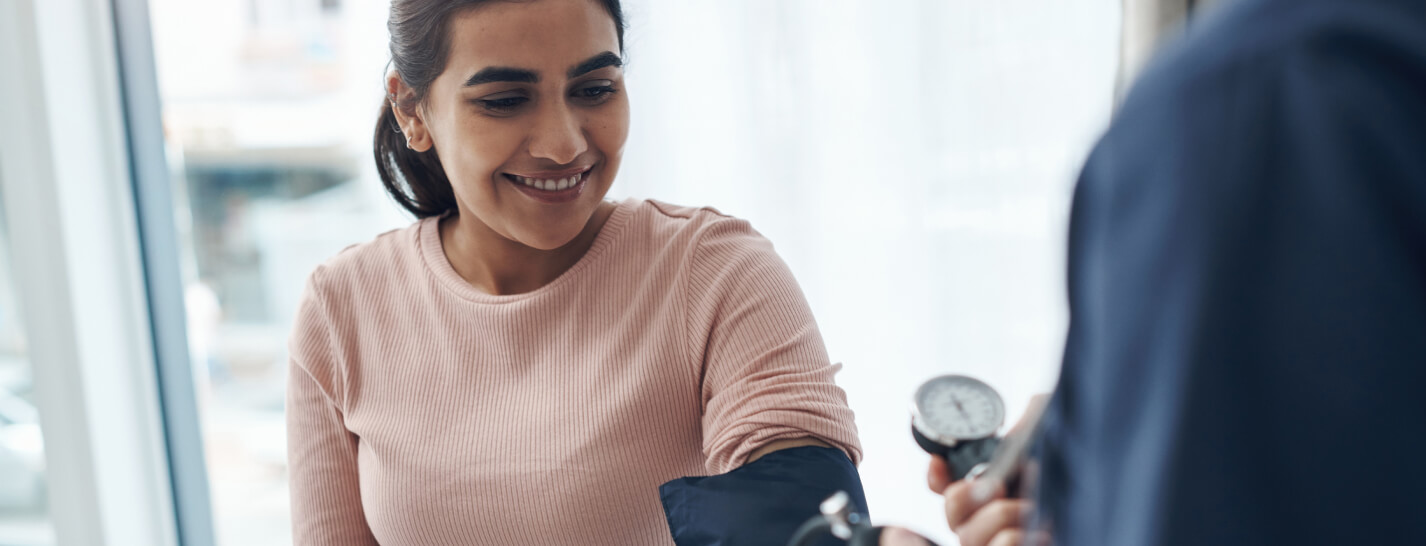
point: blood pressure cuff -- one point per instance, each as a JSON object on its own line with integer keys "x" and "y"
{"x": 761, "y": 503}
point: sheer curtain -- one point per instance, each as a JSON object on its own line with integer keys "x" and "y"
{"x": 912, "y": 160}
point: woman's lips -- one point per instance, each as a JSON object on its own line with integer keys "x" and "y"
{"x": 553, "y": 187}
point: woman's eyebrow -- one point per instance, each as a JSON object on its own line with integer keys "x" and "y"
{"x": 596, "y": 62}
{"x": 502, "y": 74}
{"x": 492, "y": 74}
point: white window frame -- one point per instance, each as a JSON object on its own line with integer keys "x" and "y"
{"x": 86, "y": 283}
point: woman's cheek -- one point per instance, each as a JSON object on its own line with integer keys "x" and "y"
{"x": 613, "y": 131}
{"x": 487, "y": 146}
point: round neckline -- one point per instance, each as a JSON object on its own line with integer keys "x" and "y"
{"x": 433, "y": 255}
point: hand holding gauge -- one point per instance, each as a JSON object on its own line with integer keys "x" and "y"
{"x": 956, "y": 417}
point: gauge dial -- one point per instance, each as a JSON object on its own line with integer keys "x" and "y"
{"x": 956, "y": 408}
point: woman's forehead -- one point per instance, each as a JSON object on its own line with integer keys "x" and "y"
{"x": 545, "y": 36}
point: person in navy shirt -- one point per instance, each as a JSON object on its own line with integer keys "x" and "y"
{"x": 1246, "y": 360}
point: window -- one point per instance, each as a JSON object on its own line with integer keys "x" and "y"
{"x": 268, "y": 134}
{"x": 23, "y": 512}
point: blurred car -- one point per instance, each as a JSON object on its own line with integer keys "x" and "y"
{"x": 22, "y": 457}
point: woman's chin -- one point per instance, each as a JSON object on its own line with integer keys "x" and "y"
{"x": 550, "y": 232}
{"x": 549, "y": 241}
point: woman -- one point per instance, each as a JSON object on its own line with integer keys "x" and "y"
{"x": 527, "y": 363}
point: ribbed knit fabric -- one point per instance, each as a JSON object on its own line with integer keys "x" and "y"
{"x": 422, "y": 411}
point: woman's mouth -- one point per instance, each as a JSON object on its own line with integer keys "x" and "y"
{"x": 551, "y": 187}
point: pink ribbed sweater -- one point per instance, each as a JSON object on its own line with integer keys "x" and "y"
{"x": 423, "y": 411}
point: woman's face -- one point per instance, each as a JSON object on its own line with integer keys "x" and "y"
{"x": 529, "y": 117}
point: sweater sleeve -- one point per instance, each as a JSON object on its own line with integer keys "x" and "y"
{"x": 764, "y": 369}
{"x": 321, "y": 452}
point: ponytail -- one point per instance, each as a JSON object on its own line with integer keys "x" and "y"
{"x": 420, "y": 38}
{"x": 416, "y": 180}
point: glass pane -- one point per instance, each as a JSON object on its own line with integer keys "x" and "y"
{"x": 266, "y": 106}
{"x": 24, "y": 519}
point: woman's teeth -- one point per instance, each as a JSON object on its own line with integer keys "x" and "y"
{"x": 549, "y": 185}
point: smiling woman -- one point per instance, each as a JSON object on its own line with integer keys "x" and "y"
{"x": 528, "y": 98}
{"x": 529, "y": 363}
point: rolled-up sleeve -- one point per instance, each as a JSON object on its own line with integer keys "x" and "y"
{"x": 763, "y": 365}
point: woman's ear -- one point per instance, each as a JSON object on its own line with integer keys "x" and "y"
{"x": 408, "y": 115}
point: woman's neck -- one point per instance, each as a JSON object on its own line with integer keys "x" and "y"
{"x": 497, "y": 265}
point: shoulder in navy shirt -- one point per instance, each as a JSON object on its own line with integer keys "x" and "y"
{"x": 1246, "y": 362}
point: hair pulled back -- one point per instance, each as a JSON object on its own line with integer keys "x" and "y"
{"x": 420, "y": 44}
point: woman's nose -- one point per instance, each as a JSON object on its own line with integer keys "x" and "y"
{"x": 558, "y": 136}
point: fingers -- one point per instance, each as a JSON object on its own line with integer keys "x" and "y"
{"x": 965, "y": 497}
{"x": 938, "y": 475}
{"x": 996, "y": 517}
{"x": 979, "y": 512}
{"x": 1019, "y": 537}
{"x": 1009, "y": 537}
{"x": 1029, "y": 477}
{"x": 896, "y": 536}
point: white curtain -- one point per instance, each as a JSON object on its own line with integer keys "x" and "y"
{"x": 912, "y": 160}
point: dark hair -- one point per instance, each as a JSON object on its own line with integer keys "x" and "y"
{"x": 420, "y": 43}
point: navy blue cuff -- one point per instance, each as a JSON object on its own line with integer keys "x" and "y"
{"x": 761, "y": 503}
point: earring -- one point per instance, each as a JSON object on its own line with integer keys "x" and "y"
{"x": 395, "y": 127}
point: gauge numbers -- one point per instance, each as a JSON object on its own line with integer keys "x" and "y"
{"x": 956, "y": 407}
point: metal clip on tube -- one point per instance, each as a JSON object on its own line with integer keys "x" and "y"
{"x": 837, "y": 519}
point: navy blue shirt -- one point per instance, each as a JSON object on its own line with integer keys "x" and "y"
{"x": 1246, "y": 362}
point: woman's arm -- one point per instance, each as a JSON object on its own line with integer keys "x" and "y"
{"x": 767, "y": 383}
{"x": 321, "y": 451}
{"x": 777, "y": 430}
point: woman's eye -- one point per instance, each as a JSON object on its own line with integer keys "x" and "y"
{"x": 595, "y": 93}
{"x": 503, "y": 104}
